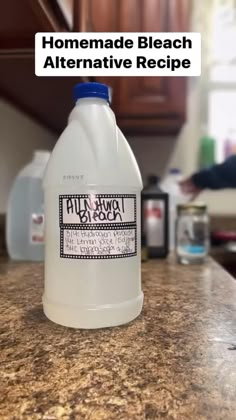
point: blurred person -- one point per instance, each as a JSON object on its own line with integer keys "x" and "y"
{"x": 216, "y": 177}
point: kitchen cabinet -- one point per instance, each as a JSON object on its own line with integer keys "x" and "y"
{"x": 46, "y": 99}
{"x": 144, "y": 104}
{"x": 20, "y": 20}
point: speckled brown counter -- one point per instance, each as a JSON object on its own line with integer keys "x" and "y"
{"x": 173, "y": 362}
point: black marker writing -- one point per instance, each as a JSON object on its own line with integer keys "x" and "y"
{"x": 96, "y": 209}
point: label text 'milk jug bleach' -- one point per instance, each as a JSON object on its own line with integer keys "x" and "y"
{"x": 92, "y": 191}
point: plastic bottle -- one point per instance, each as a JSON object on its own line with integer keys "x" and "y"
{"x": 155, "y": 219}
{"x": 230, "y": 144}
{"x": 227, "y": 148}
{"x": 170, "y": 185}
{"x": 92, "y": 206}
{"x": 207, "y": 152}
{"x": 25, "y": 212}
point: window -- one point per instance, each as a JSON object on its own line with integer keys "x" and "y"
{"x": 221, "y": 83}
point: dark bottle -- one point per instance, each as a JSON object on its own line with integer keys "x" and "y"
{"x": 144, "y": 250}
{"x": 155, "y": 219}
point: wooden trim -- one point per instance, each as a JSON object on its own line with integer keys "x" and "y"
{"x": 17, "y": 53}
{"x": 81, "y": 16}
{"x": 57, "y": 12}
{"x": 43, "y": 11}
{"x": 179, "y": 15}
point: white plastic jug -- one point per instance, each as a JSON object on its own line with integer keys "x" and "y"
{"x": 25, "y": 212}
{"x": 170, "y": 184}
{"x": 92, "y": 207}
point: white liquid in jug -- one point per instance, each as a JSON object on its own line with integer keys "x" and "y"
{"x": 25, "y": 234}
{"x": 92, "y": 204}
{"x": 25, "y": 214}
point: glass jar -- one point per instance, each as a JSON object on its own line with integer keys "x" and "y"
{"x": 192, "y": 233}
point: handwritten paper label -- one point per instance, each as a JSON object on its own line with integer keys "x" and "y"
{"x": 97, "y": 208}
{"x": 99, "y": 243}
{"x": 98, "y": 226}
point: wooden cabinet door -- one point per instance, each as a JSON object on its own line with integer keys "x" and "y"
{"x": 144, "y": 104}
{"x": 104, "y": 17}
{"x": 153, "y": 101}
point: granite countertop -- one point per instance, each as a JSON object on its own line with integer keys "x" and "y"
{"x": 176, "y": 361}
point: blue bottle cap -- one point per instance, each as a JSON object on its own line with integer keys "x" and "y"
{"x": 91, "y": 90}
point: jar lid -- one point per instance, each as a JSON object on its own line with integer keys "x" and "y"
{"x": 192, "y": 207}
